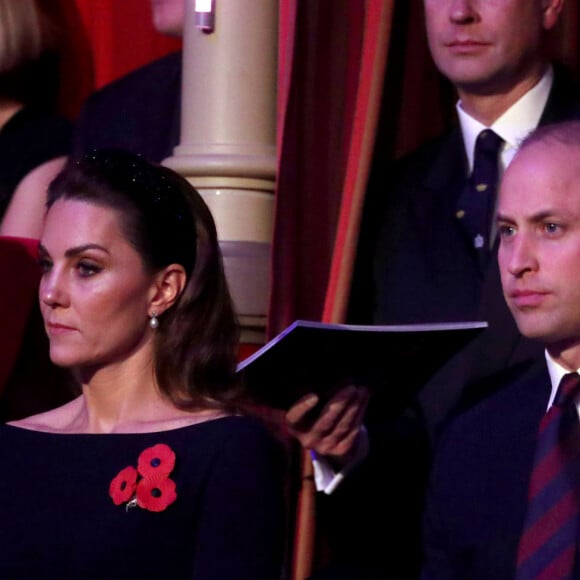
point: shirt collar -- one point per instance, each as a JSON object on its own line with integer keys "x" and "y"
{"x": 556, "y": 372}
{"x": 514, "y": 125}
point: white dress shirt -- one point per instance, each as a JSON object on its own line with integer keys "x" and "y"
{"x": 514, "y": 125}
{"x": 325, "y": 478}
{"x": 556, "y": 372}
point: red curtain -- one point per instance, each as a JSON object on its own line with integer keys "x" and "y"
{"x": 318, "y": 88}
{"x": 122, "y": 36}
{"x": 332, "y": 56}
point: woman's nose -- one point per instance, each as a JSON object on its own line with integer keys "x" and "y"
{"x": 52, "y": 290}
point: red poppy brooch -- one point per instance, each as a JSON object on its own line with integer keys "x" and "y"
{"x": 149, "y": 486}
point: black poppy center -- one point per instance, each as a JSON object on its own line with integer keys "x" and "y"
{"x": 123, "y": 486}
{"x": 155, "y": 462}
{"x": 156, "y": 492}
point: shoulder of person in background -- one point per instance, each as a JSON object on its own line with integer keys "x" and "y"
{"x": 139, "y": 112}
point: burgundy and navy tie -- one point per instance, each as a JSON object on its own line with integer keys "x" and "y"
{"x": 549, "y": 539}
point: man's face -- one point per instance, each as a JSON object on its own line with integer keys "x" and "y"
{"x": 168, "y": 16}
{"x": 488, "y": 46}
{"x": 539, "y": 254}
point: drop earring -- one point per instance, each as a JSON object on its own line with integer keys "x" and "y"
{"x": 153, "y": 321}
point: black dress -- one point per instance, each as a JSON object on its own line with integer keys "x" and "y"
{"x": 29, "y": 138}
{"x": 58, "y": 520}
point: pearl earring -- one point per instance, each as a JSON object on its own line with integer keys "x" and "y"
{"x": 153, "y": 321}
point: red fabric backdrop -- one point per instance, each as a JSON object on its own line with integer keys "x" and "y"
{"x": 122, "y": 36}
{"x": 319, "y": 95}
{"x": 332, "y": 56}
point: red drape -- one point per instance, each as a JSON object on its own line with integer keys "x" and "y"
{"x": 122, "y": 36}
{"x": 312, "y": 148}
{"x": 332, "y": 58}
{"x": 324, "y": 54}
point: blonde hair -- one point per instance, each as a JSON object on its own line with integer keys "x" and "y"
{"x": 25, "y": 33}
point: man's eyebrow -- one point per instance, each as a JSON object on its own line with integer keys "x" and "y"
{"x": 71, "y": 252}
{"x": 537, "y": 217}
{"x": 500, "y": 217}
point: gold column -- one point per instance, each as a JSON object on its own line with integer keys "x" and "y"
{"x": 228, "y": 140}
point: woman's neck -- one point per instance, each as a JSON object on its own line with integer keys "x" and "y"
{"x": 128, "y": 400}
{"x": 118, "y": 398}
{"x": 115, "y": 398}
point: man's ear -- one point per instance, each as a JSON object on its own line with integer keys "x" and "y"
{"x": 551, "y": 10}
{"x": 167, "y": 287}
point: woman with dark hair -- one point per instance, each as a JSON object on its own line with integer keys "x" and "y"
{"x": 153, "y": 471}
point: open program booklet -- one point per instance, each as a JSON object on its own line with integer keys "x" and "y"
{"x": 317, "y": 357}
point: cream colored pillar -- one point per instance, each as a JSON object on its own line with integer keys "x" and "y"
{"x": 228, "y": 140}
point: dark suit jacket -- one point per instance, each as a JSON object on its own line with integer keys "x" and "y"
{"x": 29, "y": 138}
{"x": 477, "y": 499}
{"x": 139, "y": 112}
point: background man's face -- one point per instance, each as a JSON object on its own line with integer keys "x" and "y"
{"x": 539, "y": 254}
{"x": 168, "y": 16}
{"x": 486, "y": 46}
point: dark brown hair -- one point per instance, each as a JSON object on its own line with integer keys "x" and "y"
{"x": 167, "y": 222}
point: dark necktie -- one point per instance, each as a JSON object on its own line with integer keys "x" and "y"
{"x": 477, "y": 202}
{"x": 549, "y": 539}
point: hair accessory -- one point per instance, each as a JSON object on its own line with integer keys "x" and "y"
{"x": 163, "y": 199}
{"x": 153, "y": 320}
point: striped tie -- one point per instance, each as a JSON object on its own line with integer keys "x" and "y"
{"x": 548, "y": 544}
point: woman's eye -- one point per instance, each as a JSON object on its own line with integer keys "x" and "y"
{"x": 87, "y": 269}
{"x": 45, "y": 264}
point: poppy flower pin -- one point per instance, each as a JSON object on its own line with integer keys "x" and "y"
{"x": 149, "y": 486}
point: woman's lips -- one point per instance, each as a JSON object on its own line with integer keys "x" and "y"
{"x": 57, "y": 328}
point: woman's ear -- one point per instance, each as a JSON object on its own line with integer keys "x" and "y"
{"x": 167, "y": 288}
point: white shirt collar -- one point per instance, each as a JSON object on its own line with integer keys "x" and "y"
{"x": 556, "y": 372}
{"x": 514, "y": 125}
